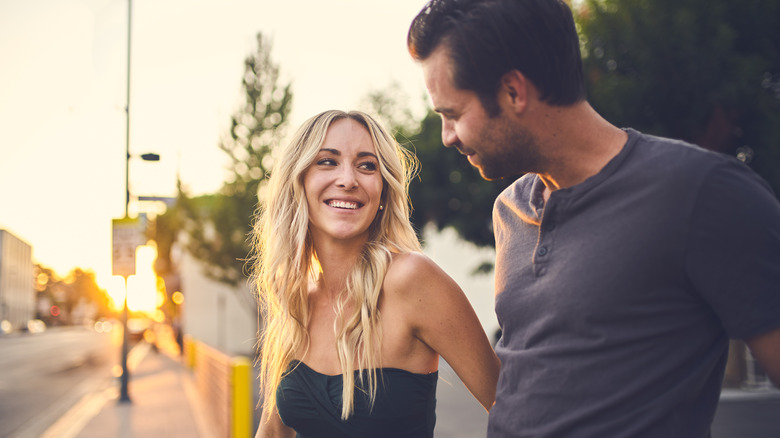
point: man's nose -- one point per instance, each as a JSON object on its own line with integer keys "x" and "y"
{"x": 448, "y": 136}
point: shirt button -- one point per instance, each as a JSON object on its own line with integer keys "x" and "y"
{"x": 551, "y": 226}
{"x": 542, "y": 251}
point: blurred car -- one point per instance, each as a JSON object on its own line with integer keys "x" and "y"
{"x": 36, "y": 326}
{"x": 103, "y": 326}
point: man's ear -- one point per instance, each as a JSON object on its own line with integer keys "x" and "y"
{"x": 514, "y": 90}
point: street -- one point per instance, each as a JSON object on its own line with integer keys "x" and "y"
{"x": 458, "y": 413}
{"x": 743, "y": 414}
{"x": 42, "y": 375}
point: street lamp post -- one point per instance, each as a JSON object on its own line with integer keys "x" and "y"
{"x": 124, "y": 396}
{"x": 126, "y": 271}
{"x": 127, "y": 114}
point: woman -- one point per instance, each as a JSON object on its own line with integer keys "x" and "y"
{"x": 355, "y": 317}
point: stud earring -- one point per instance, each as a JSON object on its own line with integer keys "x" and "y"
{"x": 381, "y": 207}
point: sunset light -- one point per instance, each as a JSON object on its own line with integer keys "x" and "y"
{"x": 142, "y": 286}
{"x": 116, "y": 292}
{"x": 145, "y": 294}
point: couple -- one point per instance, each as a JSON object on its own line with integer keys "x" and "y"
{"x": 625, "y": 262}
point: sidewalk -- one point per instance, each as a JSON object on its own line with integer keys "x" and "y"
{"x": 164, "y": 402}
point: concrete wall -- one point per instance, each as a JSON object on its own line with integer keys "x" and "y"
{"x": 215, "y": 313}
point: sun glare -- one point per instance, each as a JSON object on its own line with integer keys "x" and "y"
{"x": 143, "y": 287}
{"x": 116, "y": 291}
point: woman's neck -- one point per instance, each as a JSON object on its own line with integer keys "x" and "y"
{"x": 336, "y": 262}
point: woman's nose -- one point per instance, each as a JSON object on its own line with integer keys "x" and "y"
{"x": 347, "y": 178}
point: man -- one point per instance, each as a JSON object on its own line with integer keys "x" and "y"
{"x": 625, "y": 262}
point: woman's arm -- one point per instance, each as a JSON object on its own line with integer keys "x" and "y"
{"x": 766, "y": 348}
{"x": 442, "y": 318}
{"x": 271, "y": 426}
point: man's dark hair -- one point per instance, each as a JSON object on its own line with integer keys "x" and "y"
{"x": 488, "y": 38}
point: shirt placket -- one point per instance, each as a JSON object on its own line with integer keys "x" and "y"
{"x": 545, "y": 241}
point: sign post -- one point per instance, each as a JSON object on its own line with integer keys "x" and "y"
{"x": 126, "y": 236}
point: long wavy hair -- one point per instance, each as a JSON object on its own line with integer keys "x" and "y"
{"x": 284, "y": 260}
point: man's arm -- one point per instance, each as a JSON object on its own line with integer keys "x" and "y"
{"x": 766, "y": 349}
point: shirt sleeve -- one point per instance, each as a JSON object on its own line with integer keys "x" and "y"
{"x": 733, "y": 249}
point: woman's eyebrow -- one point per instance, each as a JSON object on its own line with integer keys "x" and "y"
{"x": 338, "y": 152}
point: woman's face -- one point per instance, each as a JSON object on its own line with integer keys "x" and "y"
{"x": 343, "y": 185}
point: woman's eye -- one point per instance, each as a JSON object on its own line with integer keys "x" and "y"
{"x": 368, "y": 165}
{"x": 326, "y": 162}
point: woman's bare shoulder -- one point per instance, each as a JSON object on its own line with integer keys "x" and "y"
{"x": 406, "y": 267}
{"x": 411, "y": 272}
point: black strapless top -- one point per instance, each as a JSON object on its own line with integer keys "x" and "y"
{"x": 405, "y": 404}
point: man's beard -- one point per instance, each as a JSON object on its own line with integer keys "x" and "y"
{"x": 514, "y": 151}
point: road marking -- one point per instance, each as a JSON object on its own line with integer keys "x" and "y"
{"x": 74, "y": 421}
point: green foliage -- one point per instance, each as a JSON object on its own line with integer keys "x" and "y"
{"x": 218, "y": 225}
{"x": 706, "y": 71}
{"x": 390, "y": 106}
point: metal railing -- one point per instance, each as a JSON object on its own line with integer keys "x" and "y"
{"x": 224, "y": 384}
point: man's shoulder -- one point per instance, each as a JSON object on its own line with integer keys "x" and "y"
{"x": 674, "y": 150}
{"x": 516, "y": 201}
{"x": 519, "y": 192}
{"x": 522, "y": 187}
{"x": 672, "y": 160}
{"x": 686, "y": 168}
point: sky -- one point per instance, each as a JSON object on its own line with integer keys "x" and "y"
{"x": 63, "y": 85}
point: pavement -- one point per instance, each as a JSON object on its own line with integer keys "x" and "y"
{"x": 164, "y": 403}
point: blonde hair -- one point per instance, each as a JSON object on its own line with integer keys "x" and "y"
{"x": 285, "y": 261}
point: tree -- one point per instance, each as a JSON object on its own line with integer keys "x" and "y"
{"x": 62, "y": 297}
{"x": 50, "y": 291}
{"x": 706, "y": 71}
{"x": 218, "y": 225}
{"x": 82, "y": 287}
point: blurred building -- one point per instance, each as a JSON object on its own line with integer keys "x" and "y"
{"x": 221, "y": 316}
{"x": 17, "y": 289}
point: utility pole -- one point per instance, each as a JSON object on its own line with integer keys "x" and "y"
{"x": 124, "y": 396}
